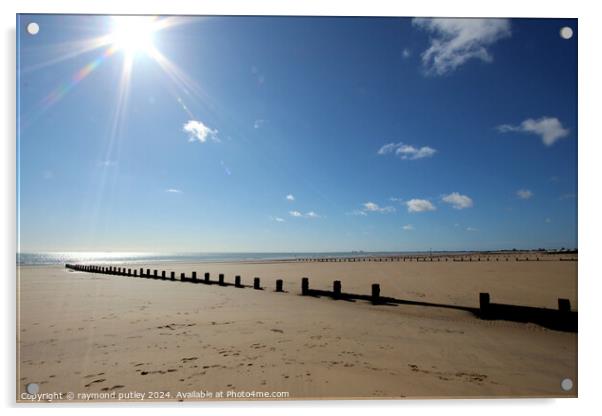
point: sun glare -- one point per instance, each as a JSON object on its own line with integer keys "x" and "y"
{"x": 134, "y": 34}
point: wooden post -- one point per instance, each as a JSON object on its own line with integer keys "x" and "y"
{"x": 221, "y": 279}
{"x": 207, "y": 277}
{"x": 305, "y": 286}
{"x": 336, "y": 289}
{"x": 194, "y": 277}
{"x": 129, "y": 272}
{"x": 256, "y": 284}
{"x": 141, "y": 272}
{"x": 279, "y": 285}
{"x": 183, "y": 277}
{"x": 375, "y": 293}
{"x": 484, "y": 304}
{"x": 135, "y": 273}
{"x": 173, "y": 275}
{"x": 155, "y": 275}
{"x": 237, "y": 281}
{"x": 564, "y": 305}
{"x": 163, "y": 274}
{"x": 148, "y": 273}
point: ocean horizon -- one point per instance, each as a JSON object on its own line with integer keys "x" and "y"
{"x": 108, "y": 257}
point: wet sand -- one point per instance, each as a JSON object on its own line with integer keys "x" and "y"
{"x": 92, "y": 333}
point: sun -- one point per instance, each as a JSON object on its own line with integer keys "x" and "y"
{"x": 134, "y": 35}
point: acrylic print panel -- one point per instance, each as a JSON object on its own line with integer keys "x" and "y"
{"x": 289, "y": 208}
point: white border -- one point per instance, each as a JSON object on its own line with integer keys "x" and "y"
{"x": 590, "y": 151}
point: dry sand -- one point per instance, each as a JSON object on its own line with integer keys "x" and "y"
{"x": 92, "y": 333}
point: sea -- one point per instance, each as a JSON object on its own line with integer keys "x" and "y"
{"x": 51, "y": 258}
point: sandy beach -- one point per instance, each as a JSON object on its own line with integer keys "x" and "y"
{"x": 115, "y": 335}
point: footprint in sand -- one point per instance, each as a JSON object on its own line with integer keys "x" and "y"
{"x": 100, "y": 380}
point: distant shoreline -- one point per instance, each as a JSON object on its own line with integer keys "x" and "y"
{"x": 59, "y": 258}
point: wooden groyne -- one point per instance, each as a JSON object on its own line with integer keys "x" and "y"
{"x": 563, "y": 318}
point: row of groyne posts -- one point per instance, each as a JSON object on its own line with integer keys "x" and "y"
{"x": 154, "y": 274}
{"x": 562, "y": 318}
{"x": 428, "y": 259}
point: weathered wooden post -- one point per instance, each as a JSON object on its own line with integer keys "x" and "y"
{"x": 279, "y": 285}
{"x": 194, "y": 277}
{"x": 221, "y": 279}
{"x": 163, "y": 274}
{"x": 173, "y": 275}
{"x": 207, "y": 275}
{"x": 135, "y": 273}
{"x": 336, "y": 289}
{"x": 148, "y": 274}
{"x": 129, "y": 272}
{"x": 305, "y": 286}
{"x": 237, "y": 281}
{"x": 141, "y": 272}
{"x": 484, "y": 304}
{"x": 564, "y": 305}
{"x": 256, "y": 284}
{"x": 375, "y": 293}
{"x": 182, "y": 277}
{"x": 155, "y": 275}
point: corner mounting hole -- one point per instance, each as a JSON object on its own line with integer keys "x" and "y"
{"x": 33, "y": 28}
{"x": 567, "y": 384}
{"x": 566, "y": 32}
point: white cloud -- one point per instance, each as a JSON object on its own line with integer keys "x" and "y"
{"x": 420, "y": 205}
{"x": 278, "y": 219}
{"x": 372, "y": 207}
{"x": 524, "y": 194}
{"x": 107, "y": 163}
{"x": 456, "y": 41}
{"x": 407, "y": 152}
{"x": 258, "y": 123}
{"x": 289, "y": 197}
{"x": 173, "y": 191}
{"x": 408, "y": 227}
{"x": 198, "y": 131}
{"x": 310, "y": 214}
{"x": 471, "y": 229}
{"x": 457, "y": 200}
{"x": 358, "y": 212}
{"x": 550, "y": 129}
{"x": 406, "y": 53}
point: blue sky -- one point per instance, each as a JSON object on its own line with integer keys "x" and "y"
{"x": 297, "y": 134}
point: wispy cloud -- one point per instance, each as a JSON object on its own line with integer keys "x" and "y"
{"x": 408, "y": 227}
{"x": 277, "y": 219}
{"x": 471, "y": 229}
{"x": 198, "y": 131}
{"x": 406, "y": 152}
{"x": 567, "y": 196}
{"x": 456, "y": 41}
{"x": 372, "y": 207}
{"x": 298, "y": 214}
{"x": 524, "y": 194}
{"x": 107, "y": 163}
{"x": 406, "y": 53}
{"x": 550, "y": 129}
{"x": 173, "y": 191}
{"x": 290, "y": 197}
{"x": 420, "y": 205}
{"x": 258, "y": 123}
{"x": 457, "y": 200}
